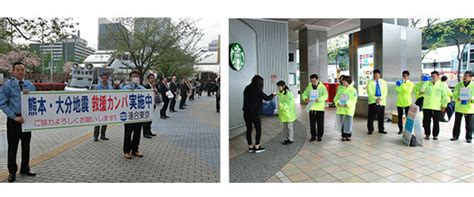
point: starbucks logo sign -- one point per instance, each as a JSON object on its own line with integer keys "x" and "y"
{"x": 236, "y": 56}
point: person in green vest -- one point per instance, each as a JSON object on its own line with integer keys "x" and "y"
{"x": 286, "y": 111}
{"x": 464, "y": 97}
{"x": 417, "y": 90}
{"x": 315, "y": 95}
{"x": 377, "y": 93}
{"x": 449, "y": 93}
{"x": 404, "y": 88}
{"x": 345, "y": 100}
{"x": 434, "y": 102}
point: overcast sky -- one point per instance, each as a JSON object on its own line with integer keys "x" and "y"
{"x": 89, "y": 30}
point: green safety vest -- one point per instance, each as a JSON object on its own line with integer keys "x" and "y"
{"x": 286, "y": 107}
{"x": 469, "y": 107}
{"x": 404, "y": 94}
{"x": 322, "y": 97}
{"x": 416, "y": 90}
{"x": 351, "y": 103}
{"x": 435, "y": 96}
{"x": 371, "y": 92}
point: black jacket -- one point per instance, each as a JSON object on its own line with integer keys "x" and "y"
{"x": 253, "y": 98}
{"x": 173, "y": 87}
{"x": 184, "y": 89}
{"x": 163, "y": 89}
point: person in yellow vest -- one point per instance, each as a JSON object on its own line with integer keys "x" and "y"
{"x": 404, "y": 88}
{"x": 434, "y": 103}
{"x": 464, "y": 98}
{"x": 417, "y": 92}
{"x": 286, "y": 111}
{"x": 449, "y": 93}
{"x": 377, "y": 93}
{"x": 316, "y": 94}
{"x": 346, "y": 99}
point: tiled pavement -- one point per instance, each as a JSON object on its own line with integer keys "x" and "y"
{"x": 375, "y": 158}
{"x": 185, "y": 150}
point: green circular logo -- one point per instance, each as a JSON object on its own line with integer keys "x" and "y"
{"x": 236, "y": 56}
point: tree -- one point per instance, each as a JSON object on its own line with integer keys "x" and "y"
{"x": 338, "y": 47}
{"x": 29, "y": 59}
{"x": 39, "y": 30}
{"x": 176, "y": 62}
{"x": 151, "y": 42}
{"x": 429, "y": 37}
{"x": 461, "y": 32}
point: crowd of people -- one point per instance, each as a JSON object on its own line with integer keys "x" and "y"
{"x": 432, "y": 95}
{"x": 165, "y": 95}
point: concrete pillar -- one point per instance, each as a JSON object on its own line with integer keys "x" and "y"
{"x": 313, "y": 55}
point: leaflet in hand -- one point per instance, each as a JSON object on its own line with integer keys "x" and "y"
{"x": 314, "y": 94}
{"x": 169, "y": 94}
{"x": 343, "y": 99}
{"x": 309, "y": 105}
{"x": 465, "y": 94}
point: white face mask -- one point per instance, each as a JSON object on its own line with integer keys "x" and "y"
{"x": 135, "y": 80}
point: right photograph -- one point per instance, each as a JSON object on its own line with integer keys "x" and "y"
{"x": 351, "y": 100}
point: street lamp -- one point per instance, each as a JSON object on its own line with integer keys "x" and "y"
{"x": 435, "y": 64}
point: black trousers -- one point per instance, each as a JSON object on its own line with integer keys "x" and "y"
{"x": 457, "y": 125}
{"x": 182, "y": 101}
{"x": 165, "y": 106}
{"x": 14, "y": 136}
{"x": 316, "y": 117}
{"x": 102, "y": 129}
{"x": 429, "y": 114}
{"x": 257, "y": 123}
{"x": 419, "y": 103}
{"x": 129, "y": 143}
{"x": 379, "y": 111}
{"x": 218, "y": 104}
{"x": 400, "y": 116}
{"x": 147, "y": 128}
{"x": 173, "y": 103}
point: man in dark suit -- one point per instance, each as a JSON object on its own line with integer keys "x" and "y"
{"x": 147, "y": 133}
{"x": 163, "y": 89}
{"x": 184, "y": 89}
{"x": 174, "y": 90}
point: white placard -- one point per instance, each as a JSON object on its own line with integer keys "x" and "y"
{"x": 169, "y": 94}
{"x": 465, "y": 94}
{"x": 314, "y": 94}
{"x": 343, "y": 99}
{"x": 57, "y": 109}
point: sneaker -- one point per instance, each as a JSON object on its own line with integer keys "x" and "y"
{"x": 251, "y": 150}
{"x": 259, "y": 149}
{"x": 286, "y": 142}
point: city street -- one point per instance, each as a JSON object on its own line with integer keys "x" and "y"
{"x": 186, "y": 149}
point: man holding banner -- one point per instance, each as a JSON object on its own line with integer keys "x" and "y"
{"x": 103, "y": 85}
{"x": 130, "y": 145}
{"x": 464, "y": 97}
{"x": 10, "y": 102}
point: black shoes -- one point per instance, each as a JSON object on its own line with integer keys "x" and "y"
{"x": 152, "y": 134}
{"x": 400, "y": 132}
{"x": 104, "y": 138}
{"x": 251, "y": 150}
{"x": 11, "y": 178}
{"x": 454, "y": 139}
{"x": 259, "y": 150}
{"x": 370, "y": 133}
{"x": 383, "y": 132}
{"x": 427, "y": 137}
{"x": 468, "y": 141}
{"x": 96, "y": 139}
{"x": 312, "y": 139}
{"x": 29, "y": 173}
{"x": 147, "y": 136}
{"x": 319, "y": 139}
{"x": 167, "y": 116}
{"x": 287, "y": 142}
{"x": 435, "y": 138}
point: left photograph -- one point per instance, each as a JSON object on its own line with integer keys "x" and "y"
{"x": 109, "y": 100}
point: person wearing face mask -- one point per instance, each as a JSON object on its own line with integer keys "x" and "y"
{"x": 286, "y": 111}
{"x": 130, "y": 145}
{"x": 377, "y": 98}
{"x": 315, "y": 95}
{"x": 464, "y": 97}
{"x": 10, "y": 103}
{"x": 345, "y": 100}
{"x": 434, "y": 103}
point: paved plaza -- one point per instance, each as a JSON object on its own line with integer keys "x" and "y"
{"x": 186, "y": 149}
{"x": 376, "y": 158}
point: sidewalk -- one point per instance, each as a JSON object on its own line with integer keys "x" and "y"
{"x": 186, "y": 149}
